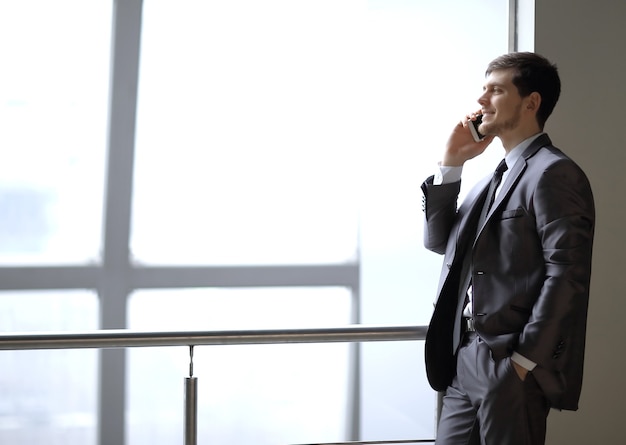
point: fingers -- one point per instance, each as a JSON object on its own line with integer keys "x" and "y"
{"x": 470, "y": 117}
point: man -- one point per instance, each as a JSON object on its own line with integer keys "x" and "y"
{"x": 506, "y": 339}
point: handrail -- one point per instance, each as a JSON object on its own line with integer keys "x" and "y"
{"x": 377, "y": 442}
{"x": 121, "y": 338}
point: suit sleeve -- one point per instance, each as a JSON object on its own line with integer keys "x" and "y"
{"x": 565, "y": 218}
{"x": 440, "y": 206}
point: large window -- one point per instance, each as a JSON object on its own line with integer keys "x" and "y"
{"x": 226, "y": 164}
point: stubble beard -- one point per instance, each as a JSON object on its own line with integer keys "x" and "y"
{"x": 497, "y": 128}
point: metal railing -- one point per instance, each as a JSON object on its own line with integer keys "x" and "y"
{"x": 378, "y": 442}
{"x": 121, "y": 338}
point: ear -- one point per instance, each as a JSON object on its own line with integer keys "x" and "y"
{"x": 533, "y": 100}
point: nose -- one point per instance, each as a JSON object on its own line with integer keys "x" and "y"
{"x": 482, "y": 99}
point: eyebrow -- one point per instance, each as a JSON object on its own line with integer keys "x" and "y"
{"x": 493, "y": 84}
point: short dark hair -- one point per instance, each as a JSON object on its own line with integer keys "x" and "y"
{"x": 532, "y": 73}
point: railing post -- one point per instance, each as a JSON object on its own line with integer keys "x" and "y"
{"x": 191, "y": 404}
{"x": 191, "y": 413}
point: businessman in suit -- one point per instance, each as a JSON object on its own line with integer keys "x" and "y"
{"x": 507, "y": 336}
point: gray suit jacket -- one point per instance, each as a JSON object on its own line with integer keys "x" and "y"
{"x": 531, "y": 266}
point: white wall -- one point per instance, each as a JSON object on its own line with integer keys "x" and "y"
{"x": 586, "y": 39}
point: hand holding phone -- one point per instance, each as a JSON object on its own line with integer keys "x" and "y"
{"x": 473, "y": 126}
{"x": 461, "y": 148}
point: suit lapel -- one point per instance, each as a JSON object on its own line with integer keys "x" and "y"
{"x": 516, "y": 171}
{"x": 470, "y": 211}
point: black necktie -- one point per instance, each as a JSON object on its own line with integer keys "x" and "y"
{"x": 491, "y": 193}
{"x": 466, "y": 269}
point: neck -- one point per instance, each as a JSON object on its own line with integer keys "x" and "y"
{"x": 512, "y": 139}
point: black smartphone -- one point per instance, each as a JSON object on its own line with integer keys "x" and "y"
{"x": 473, "y": 126}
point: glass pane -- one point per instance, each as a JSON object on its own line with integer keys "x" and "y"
{"x": 250, "y": 119}
{"x": 53, "y": 104}
{"x": 261, "y": 394}
{"x": 48, "y": 396}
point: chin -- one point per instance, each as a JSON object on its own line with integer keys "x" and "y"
{"x": 488, "y": 129}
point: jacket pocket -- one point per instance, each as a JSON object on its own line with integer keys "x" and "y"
{"x": 515, "y": 213}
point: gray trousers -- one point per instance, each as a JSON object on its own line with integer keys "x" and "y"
{"x": 488, "y": 404}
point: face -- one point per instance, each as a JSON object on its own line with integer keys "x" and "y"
{"x": 500, "y": 103}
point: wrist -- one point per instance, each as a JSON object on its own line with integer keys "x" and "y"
{"x": 520, "y": 370}
{"x": 449, "y": 161}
